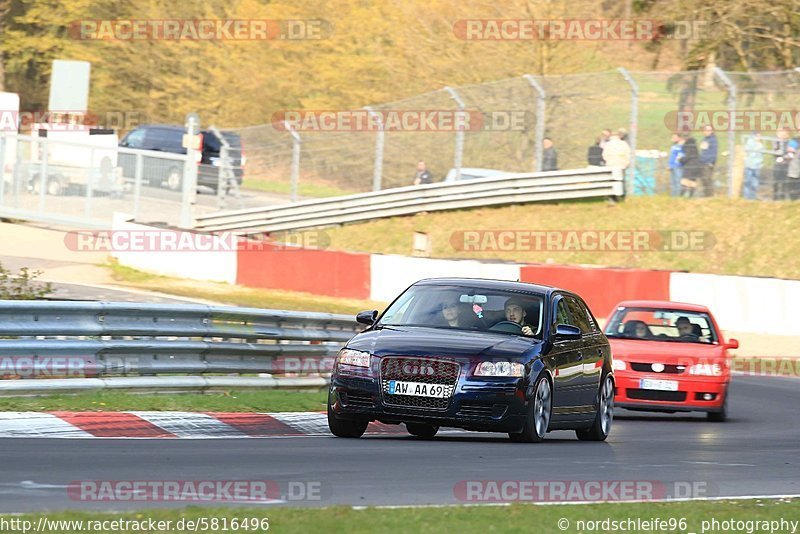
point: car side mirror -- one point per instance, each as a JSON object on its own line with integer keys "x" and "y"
{"x": 732, "y": 344}
{"x": 367, "y": 317}
{"x": 566, "y": 332}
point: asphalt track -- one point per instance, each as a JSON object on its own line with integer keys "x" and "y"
{"x": 754, "y": 453}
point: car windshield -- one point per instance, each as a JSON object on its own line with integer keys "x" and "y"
{"x": 466, "y": 308}
{"x": 661, "y": 325}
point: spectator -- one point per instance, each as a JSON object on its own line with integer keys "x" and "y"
{"x": 604, "y": 137}
{"x": 617, "y": 153}
{"x": 793, "y": 170}
{"x": 422, "y": 175}
{"x": 753, "y": 160}
{"x": 691, "y": 167}
{"x": 708, "y": 159}
{"x": 595, "y": 154}
{"x": 780, "y": 169}
{"x": 549, "y": 156}
{"x": 675, "y": 168}
{"x": 623, "y": 135}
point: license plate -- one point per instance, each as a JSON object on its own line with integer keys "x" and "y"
{"x": 417, "y": 389}
{"x": 660, "y": 385}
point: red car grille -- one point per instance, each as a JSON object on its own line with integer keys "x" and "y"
{"x": 653, "y": 395}
{"x": 669, "y": 369}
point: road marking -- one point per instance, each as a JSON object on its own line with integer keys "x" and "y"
{"x": 37, "y": 425}
{"x": 190, "y": 425}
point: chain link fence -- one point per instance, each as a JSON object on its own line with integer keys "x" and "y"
{"x": 507, "y": 121}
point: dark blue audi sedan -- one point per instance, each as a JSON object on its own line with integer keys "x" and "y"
{"x": 483, "y": 355}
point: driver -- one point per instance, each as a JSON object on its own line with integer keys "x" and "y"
{"x": 685, "y": 328}
{"x": 515, "y": 312}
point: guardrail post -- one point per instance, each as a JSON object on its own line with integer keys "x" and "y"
{"x": 190, "y": 172}
{"x": 377, "y": 175}
{"x": 459, "y": 133}
{"x": 538, "y": 149}
{"x": 295, "y": 160}
{"x": 634, "y": 126}
{"x": 731, "y": 133}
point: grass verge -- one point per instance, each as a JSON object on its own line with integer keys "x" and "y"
{"x": 304, "y": 189}
{"x": 683, "y": 517}
{"x": 266, "y": 400}
{"x": 736, "y": 233}
{"x": 239, "y": 295}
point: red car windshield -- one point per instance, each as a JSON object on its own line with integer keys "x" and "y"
{"x": 662, "y": 325}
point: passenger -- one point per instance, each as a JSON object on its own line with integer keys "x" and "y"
{"x": 638, "y": 329}
{"x": 451, "y": 312}
{"x": 515, "y": 312}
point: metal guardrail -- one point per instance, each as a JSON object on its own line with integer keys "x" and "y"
{"x": 108, "y": 345}
{"x": 509, "y": 189}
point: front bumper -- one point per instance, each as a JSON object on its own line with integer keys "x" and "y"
{"x": 492, "y": 405}
{"x": 690, "y": 396}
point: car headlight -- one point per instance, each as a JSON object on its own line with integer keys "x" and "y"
{"x": 618, "y": 365}
{"x": 500, "y": 369}
{"x": 706, "y": 369}
{"x": 356, "y": 358}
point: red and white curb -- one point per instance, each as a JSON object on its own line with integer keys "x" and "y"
{"x": 175, "y": 425}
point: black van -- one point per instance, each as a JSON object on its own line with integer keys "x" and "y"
{"x": 169, "y": 173}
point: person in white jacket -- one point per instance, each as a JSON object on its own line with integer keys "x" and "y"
{"x": 617, "y": 153}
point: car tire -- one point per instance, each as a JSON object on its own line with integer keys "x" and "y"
{"x": 174, "y": 179}
{"x": 345, "y": 428}
{"x": 604, "y": 417}
{"x": 720, "y": 415}
{"x": 422, "y": 430}
{"x": 538, "y": 420}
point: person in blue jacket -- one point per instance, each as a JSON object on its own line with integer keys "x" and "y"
{"x": 675, "y": 167}
{"x": 708, "y": 159}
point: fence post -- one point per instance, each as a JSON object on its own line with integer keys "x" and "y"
{"x": 43, "y": 149}
{"x": 295, "y": 176}
{"x": 459, "y": 133}
{"x": 189, "y": 191}
{"x": 137, "y": 185}
{"x": 377, "y": 175}
{"x": 731, "y": 133}
{"x": 538, "y": 149}
{"x": 634, "y": 124}
{"x": 2, "y": 168}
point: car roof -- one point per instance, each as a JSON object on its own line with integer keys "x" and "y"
{"x": 666, "y": 304}
{"x": 487, "y": 283}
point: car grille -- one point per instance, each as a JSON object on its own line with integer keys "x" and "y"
{"x": 357, "y": 400}
{"x": 439, "y": 372}
{"x": 669, "y": 369}
{"x": 649, "y": 394}
{"x": 481, "y": 410}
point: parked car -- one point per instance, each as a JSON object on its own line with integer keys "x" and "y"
{"x": 483, "y": 355}
{"x": 169, "y": 173}
{"x": 670, "y": 357}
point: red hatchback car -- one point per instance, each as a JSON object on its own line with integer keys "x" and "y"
{"x": 669, "y": 357}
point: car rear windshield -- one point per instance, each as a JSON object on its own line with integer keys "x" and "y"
{"x": 467, "y": 308}
{"x": 661, "y": 325}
